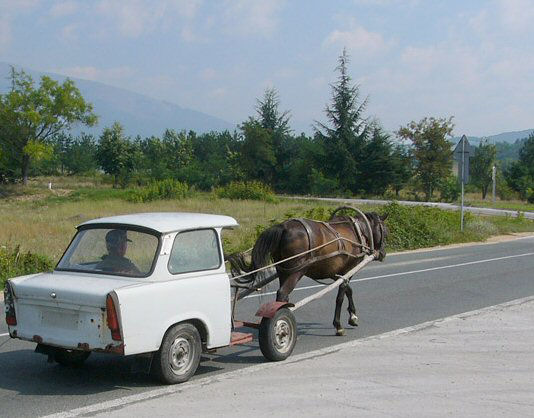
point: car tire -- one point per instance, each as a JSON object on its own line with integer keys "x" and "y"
{"x": 71, "y": 358}
{"x": 178, "y": 357}
{"x": 278, "y": 335}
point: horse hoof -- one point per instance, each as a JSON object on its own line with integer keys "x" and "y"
{"x": 340, "y": 332}
{"x": 353, "y": 321}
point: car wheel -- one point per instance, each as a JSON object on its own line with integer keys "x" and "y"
{"x": 177, "y": 359}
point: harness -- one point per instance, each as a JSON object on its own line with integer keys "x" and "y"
{"x": 363, "y": 243}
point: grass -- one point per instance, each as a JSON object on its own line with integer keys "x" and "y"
{"x": 46, "y": 226}
{"x": 503, "y": 204}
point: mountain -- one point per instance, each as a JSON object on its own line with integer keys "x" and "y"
{"x": 139, "y": 114}
{"x": 508, "y": 137}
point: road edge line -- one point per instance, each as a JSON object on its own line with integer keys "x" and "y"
{"x": 169, "y": 390}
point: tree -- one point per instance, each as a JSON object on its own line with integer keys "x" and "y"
{"x": 432, "y": 151}
{"x": 269, "y": 115}
{"x": 347, "y": 134}
{"x": 259, "y": 160}
{"x": 402, "y": 162}
{"x": 520, "y": 176}
{"x": 376, "y": 163}
{"x": 29, "y": 116}
{"x": 115, "y": 154}
{"x": 481, "y": 166}
{"x": 276, "y": 125}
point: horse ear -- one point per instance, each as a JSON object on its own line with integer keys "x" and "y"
{"x": 383, "y": 217}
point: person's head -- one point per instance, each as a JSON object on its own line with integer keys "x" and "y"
{"x": 117, "y": 242}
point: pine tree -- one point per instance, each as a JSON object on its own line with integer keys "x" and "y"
{"x": 346, "y": 136}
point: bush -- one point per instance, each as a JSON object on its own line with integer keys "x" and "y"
{"x": 160, "y": 190}
{"x": 449, "y": 189}
{"x": 505, "y": 192}
{"x": 15, "y": 263}
{"x": 481, "y": 228}
{"x": 530, "y": 195}
{"x": 419, "y": 226}
{"x": 252, "y": 190}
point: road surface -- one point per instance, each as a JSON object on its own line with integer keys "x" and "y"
{"x": 406, "y": 289}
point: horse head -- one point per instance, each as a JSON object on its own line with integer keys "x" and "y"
{"x": 380, "y": 233}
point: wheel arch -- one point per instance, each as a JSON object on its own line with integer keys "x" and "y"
{"x": 198, "y": 324}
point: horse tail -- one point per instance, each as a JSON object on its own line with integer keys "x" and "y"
{"x": 267, "y": 243}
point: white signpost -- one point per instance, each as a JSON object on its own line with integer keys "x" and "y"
{"x": 464, "y": 138}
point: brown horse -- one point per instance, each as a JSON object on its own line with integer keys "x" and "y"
{"x": 348, "y": 240}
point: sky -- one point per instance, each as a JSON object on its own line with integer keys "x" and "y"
{"x": 473, "y": 60}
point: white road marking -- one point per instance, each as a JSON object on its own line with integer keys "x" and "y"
{"x": 365, "y": 279}
{"x": 406, "y": 263}
{"x": 3, "y": 335}
{"x": 168, "y": 390}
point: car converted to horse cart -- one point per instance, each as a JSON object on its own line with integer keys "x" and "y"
{"x": 155, "y": 285}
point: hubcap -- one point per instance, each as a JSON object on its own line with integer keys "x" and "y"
{"x": 282, "y": 335}
{"x": 180, "y": 355}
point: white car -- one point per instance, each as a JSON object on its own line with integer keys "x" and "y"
{"x": 132, "y": 284}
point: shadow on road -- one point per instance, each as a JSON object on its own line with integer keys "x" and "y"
{"x": 28, "y": 373}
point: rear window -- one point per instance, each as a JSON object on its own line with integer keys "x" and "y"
{"x": 195, "y": 250}
{"x": 112, "y": 251}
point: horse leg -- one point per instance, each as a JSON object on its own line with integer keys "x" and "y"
{"x": 340, "y": 331}
{"x": 287, "y": 284}
{"x": 353, "y": 319}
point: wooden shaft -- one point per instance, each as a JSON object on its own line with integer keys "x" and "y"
{"x": 337, "y": 283}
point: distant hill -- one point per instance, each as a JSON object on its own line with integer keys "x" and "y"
{"x": 139, "y": 114}
{"x": 508, "y": 144}
{"x": 509, "y": 137}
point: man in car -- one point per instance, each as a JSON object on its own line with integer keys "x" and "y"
{"x": 115, "y": 261}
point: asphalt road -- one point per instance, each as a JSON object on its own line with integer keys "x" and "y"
{"x": 405, "y": 290}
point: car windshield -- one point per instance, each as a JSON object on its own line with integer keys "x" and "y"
{"x": 111, "y": 251}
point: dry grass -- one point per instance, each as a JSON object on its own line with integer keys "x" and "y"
{"x": 47, "y": 228}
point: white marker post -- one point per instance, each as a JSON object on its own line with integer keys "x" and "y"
{"x": 494, "y": 178}
{"x": 463, "y": 182}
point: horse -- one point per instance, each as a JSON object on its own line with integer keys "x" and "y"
{"x": 340, "y": 244}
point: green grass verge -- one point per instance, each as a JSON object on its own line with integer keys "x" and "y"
{"x": 503, "y": 204}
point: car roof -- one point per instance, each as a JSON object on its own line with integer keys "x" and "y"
{"x": 167, "y": 221}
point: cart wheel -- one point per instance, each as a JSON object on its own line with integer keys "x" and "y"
{"x": 179, "y": 355}
{"x": 278, "y": 335}
{"x": 70, "y": 358}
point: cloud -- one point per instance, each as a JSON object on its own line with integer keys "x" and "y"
{"x": 69, "y": 33}
{"x": 208, "y": 74}
{"x": 137, "y": 17}
{"x": 5, "y": 32}
{"x": 516, "y": 15}
{"x": 64, "y": 8}
{"x": 9, "y": 10}
{"x": 358, "y": 40}
{"x": 252, "y": 17}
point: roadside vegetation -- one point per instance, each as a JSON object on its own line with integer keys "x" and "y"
{"x": 34, "y": 233}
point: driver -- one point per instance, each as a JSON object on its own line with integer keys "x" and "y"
{"x": 115, "y": 261}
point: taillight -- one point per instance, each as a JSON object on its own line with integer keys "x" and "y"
{"x": 9, "y": 303}
{"x": 113, "y": 320}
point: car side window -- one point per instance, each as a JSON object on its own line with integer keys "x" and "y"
{"x": 194, "y": 251}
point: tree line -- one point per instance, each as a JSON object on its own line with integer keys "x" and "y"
{"x": 348, "y": 153}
